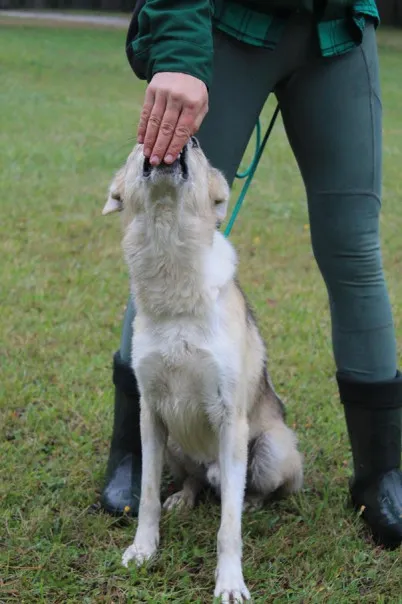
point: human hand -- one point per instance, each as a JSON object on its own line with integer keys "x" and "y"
{"x": 175, "y": 105}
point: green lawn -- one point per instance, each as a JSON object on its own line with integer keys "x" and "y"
{"x": 69, "y": 107}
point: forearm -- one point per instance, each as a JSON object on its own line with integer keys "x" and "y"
{"x": 174, "y": 37}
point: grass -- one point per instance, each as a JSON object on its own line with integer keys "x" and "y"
{"x": 69, "y": 107}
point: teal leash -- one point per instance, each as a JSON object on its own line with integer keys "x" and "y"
{"x": 249, "y": 173}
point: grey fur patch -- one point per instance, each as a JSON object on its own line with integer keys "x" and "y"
{"x": 266, "y": 387}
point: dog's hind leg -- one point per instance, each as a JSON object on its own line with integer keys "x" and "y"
{"x": 233, "y": 440}
{"x": 214, "y": 477}
{"x": 275, "y": 462}
{"x": 253, "y": 503}
{"x": 186, "y": 473}
{"x": 153, "y": 440}
{"x": 186, "y": 497}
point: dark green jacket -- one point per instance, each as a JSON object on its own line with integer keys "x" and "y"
{"x": 176, "y": 35}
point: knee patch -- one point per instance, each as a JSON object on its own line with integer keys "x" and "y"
{"x": 346, "y": 245}
{"x": 345, "y": 237}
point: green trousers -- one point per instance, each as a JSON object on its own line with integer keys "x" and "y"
{"x": 331, "y": 109}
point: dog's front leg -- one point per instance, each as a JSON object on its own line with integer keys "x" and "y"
{"x": 230, "y": 586}
{"x": 153, "y": 441}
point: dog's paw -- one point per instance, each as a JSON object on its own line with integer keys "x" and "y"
{"x": 230, "y": 586}
{"x": 179, "y": 501}
{"x": 139, "y": 553}
{"x": 214, "y": 476}
{"x": 253, "y": 503}
{"x": 233, "y": 596}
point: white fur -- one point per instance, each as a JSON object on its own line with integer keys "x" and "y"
{"x": 198, "y": 360}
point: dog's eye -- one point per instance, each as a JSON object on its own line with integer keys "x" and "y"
{"x": 194, "y": 143}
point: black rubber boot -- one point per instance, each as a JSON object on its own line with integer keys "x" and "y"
{"x": 373, "y": 414}
{"x": 121, "y": 493}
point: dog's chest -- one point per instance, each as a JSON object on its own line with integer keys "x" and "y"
{"x": 181, "y": 378}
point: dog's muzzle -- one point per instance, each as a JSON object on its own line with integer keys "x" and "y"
{"x": 178, "y": 167}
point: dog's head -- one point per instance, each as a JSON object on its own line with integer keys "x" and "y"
{"x": 191, "y": 184}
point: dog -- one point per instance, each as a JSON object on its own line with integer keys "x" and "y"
{"x": 208, "y": 406}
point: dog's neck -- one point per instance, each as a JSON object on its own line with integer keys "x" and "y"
{"x": 177, "y": 265}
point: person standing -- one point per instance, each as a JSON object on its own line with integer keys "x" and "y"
{"x": 210, "y": 67}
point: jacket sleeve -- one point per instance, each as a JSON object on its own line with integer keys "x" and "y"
{"x": 168, "y": 35}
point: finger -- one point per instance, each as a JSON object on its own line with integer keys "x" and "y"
{"x": 145, "y": 113}
{"x": 200, "y": 118}
{"x": 187, "y": 125}
{"x": 154, "y": 122}
{"x": 166, "y": 130}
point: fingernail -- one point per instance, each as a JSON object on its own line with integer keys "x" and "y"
{"x": 168, "y": 159}
{"x": 154, "y": 160}
{"x": 140, "y": 139}
{"x": 147, "y": 151}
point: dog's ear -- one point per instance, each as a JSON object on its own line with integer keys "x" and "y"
{"x": 219, "y": 193}
{"x": 114, "y": 201}
{"x": 113, "y": 204}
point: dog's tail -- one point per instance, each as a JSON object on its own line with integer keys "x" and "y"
{"x": 275, "y": 462}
